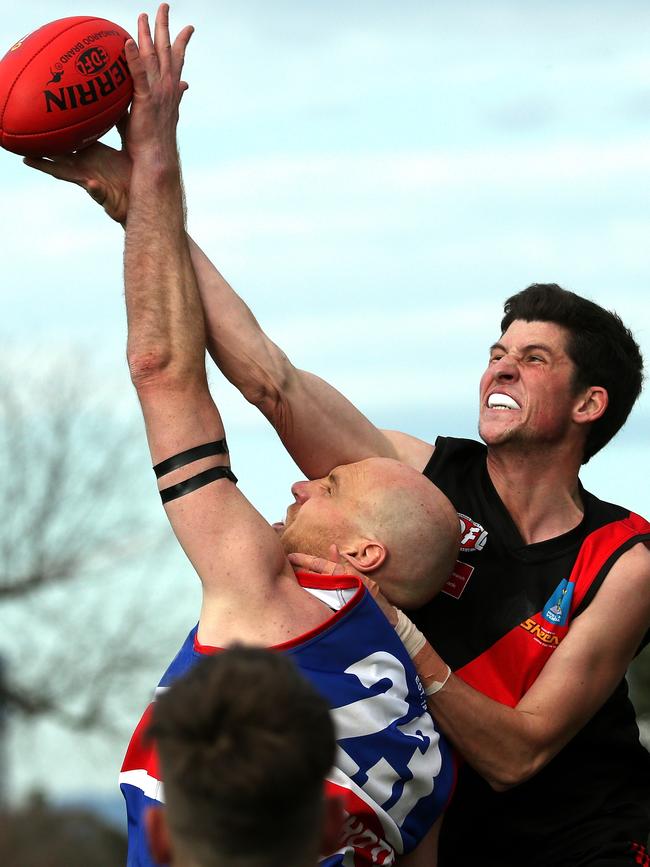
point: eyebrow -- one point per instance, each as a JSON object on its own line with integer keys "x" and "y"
{"x": 524, "y": 349}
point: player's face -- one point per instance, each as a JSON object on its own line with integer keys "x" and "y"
{"x": 323, "y": 511}
{"x": 526, "y": 391}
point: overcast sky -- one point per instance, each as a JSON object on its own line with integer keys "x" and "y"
{"x": 375, "y": 178}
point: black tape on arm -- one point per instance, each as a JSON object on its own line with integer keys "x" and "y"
{"x": 219, "y": 447}
{"x": 198, "y": 481}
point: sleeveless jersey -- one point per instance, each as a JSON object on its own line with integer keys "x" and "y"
{"x": 392, "y": 768}
{"x": 500, "y": 617}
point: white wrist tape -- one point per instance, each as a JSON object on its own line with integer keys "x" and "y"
{"x": 436, "y": 685}
{"x": 411, "y": 637}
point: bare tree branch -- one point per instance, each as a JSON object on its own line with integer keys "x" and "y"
{"x": 79, "y": 525}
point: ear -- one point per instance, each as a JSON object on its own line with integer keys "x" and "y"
{"x": 366, "y": 555}
{"x": 158, "y": 834}
{"x": 591, "y": 405}
{"x": 333, "y": 818}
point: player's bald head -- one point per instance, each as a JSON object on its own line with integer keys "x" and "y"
{"x": 386, "y": 519}
{"x": 419, "y": 526}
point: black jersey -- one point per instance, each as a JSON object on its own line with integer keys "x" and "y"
{"x": 502, "y": 614}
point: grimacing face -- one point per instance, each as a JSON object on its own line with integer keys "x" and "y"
{"x": 526, "y": 392}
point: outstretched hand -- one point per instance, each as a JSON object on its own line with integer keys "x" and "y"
{"x": 338, "y": 565}
{"x": 102, "y": 171}
{"x": 156, "y": 65}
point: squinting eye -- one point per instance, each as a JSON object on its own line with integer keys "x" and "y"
{"x": 494, "y": 358}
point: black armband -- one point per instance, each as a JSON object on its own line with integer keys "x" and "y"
{"x": 198, "y": 481}
{"x": 219, "y": 447}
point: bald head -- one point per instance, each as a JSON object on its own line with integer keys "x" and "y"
{"x": 417, "y": 524}
{"x": 386, "y": 519}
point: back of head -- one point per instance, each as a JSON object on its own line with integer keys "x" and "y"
{"x": 601, "y": 347}
{"x": 420, "y": 528}
{"x": 244, "y": 743}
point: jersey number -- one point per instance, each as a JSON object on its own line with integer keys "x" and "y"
{"x": 415, "y": 758}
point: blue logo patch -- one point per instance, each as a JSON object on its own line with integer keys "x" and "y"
{"x": 556, "y": 610}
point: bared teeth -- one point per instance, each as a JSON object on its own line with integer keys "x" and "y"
{"x": 501, "y": 401}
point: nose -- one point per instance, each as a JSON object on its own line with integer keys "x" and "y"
{"x": 301, "y": 491}
{"x": 505, "y": 369}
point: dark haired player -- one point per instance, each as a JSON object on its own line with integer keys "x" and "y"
{"x": 245, "y": 743}
{"x": 550, "y": 599}
{"x": 538, "y": 699}
{"x": 392, "y": 770}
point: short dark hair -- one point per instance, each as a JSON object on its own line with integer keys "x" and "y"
{"x": 245, "y": 742}
{"x": 602, "y": 349}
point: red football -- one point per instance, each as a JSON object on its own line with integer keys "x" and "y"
{"x": 63, "y": 86}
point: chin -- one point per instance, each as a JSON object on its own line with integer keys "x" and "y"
{"x": 494, "y": 437}
{"x": 494, "y": 433}
{"x": 285, "y": 539}
{"x": 295, "y": 542}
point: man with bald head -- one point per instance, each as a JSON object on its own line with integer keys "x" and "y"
{"x": 385, "y": 520}
{"x": 393, "y": 772}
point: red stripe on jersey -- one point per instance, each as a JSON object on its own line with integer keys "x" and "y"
{"x": 318, "y": 582}
{"x": 141, "y": 754}
{"x": 507, "y": 670}
{"x": 362, "y": 830}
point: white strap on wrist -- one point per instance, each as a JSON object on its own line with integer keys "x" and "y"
{"x": 436, "y": 685}
{"x": 411, "y": 637}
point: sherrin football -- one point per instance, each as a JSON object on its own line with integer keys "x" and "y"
{"x": 63, "y": 86}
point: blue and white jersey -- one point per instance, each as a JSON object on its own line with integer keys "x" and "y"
{"x": 394, "y": 771}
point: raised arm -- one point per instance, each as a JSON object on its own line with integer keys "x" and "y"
{"x": 319, "y": 427}
{"x": 231, "y": 546}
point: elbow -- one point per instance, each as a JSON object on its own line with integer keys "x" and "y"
{"x": 509, "y": 774}
{"x": 257, "y": 368}
{"x": 147, "y": 365}
{"x": 270, "y": 388}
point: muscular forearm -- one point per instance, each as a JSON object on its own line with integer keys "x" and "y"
{"x": 165, "y": 318}
{"x": 242, "y": 351}
{"x": 506, "y": 745}
{"x": 498, "y": 741}
{"x": 319, "y": 426}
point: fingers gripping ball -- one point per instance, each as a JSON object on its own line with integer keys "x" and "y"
{"x": 63, "y": 86}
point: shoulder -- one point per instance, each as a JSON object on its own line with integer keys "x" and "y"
{"x": 408, "y": 449}
{"x": 607, "y": 532}
{"x": 633, "y": 568}
{"x": 622, "y": 602}
{"x": 455, "y": 454}
{"x": 424, "y": 455}
{"x": 613, "y": 548}
{"x": 183, "y": 661}
{"x": 600, "y": 512}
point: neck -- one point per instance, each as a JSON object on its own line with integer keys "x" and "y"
{"x": 539, "y": 488}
